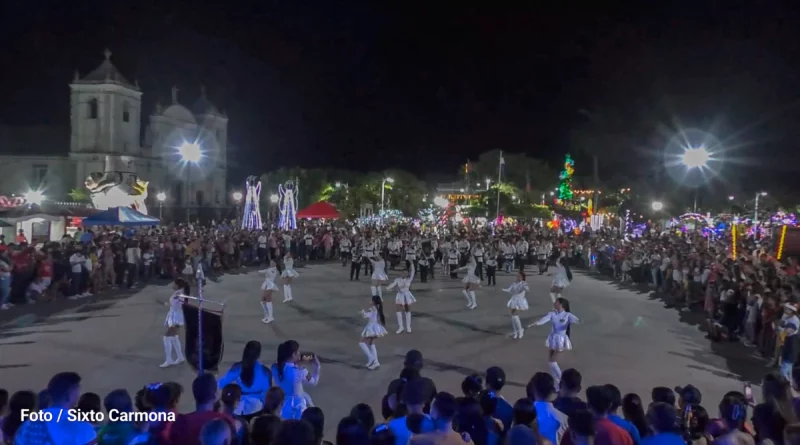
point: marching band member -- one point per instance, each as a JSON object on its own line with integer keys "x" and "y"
{"x": 561, "y": 279}
{"x": 521, "y": 249}
{"x": 355, "y": 263}
{"x": 452, "y": 261}
{"x": 379, "y": 276}
{"x": 374, "y": 329}
{"x": 288, "y": 275}
{"x": 345, "y": 245}
{"x": 267, "y": 288}
{"x": 558, "y": 341}
{"x": 509, "y": 252}
{"x": 491, "y": 267}
{"x": 478, "y": 253}
{"x": 368, "y": 252}
{"x": 435, "y": 254}
{"x": 411, "y": 256}
{"x": 404, "y": 299}
{"x": 471, "y": 281}
{"x": 517, "y": 303}
{"x": 394, "y": 246}
{"x": 174, "y": 322}
{"x": 463, "y": 251}
{"x": 425, "y": 262}
{"x": 542, "y": 252}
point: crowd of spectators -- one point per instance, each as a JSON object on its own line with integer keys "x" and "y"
{"x": 413, "y": 412}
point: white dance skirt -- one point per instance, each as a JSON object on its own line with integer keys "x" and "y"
{"x": 561, "y": 282}
{"x": 174, "y": 318}
{"x": 373, "y": 330}
{"x": 471, "y": 279}
{"x": 289, "y": 273}
{"x": 269, "y": 285}
{"x": 518, "y": 302}
{"x": 404, "y": 297}
{"x": 294, "y": 406}
{"x": 558, "y": 341}
{"x": 380, "y": 276}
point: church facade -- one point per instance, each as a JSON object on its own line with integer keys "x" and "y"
{"x": 105, "y": 136}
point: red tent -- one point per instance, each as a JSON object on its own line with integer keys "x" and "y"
{"x": 319, "y": 210}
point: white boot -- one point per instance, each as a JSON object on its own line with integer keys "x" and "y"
{"x": 365, "y": 348}
{"x": 374, "y": 351}
{"x": 268, "y": 311}
{"x": 400, "y": 328}
{"x": 176, "y": 345}
{"x": 380, "y": 291}
{"x": 556, "y": 371}
{"x": 167, "y": 352}
{"x": 514, "y": 328}
{"x": 408, "y": 322}
{"x": 469, "y": 300}
{"x": 518, "y": 325}
{"x": 374, "y": 290}
{"x": 473, "y": 299}
{"x": 552, "y": 297}
{"x": 287, "y": 293}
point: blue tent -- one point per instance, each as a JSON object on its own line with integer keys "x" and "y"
{"x": 120, "y": 216}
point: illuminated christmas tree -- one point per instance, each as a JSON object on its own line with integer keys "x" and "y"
{"x": 565, "y": 178}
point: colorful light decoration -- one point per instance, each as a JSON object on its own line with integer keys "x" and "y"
{"x": 780, "y": 243}
{"x": 733, "y": 240}
{"x": 565, "y": 184}
{"x": 287, "y": 204}
{"x": 251, "y": 219}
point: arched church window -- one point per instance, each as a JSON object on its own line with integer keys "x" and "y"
{"x": 92, "y": 108}
{"x": 126, "y": 112}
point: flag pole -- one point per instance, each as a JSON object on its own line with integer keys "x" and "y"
{"x": 499, "y": 178}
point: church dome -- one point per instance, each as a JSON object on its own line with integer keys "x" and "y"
{"x": 179, "y": 113}
{"x": 106, "y": 73}
{"x": 204, "y": 106}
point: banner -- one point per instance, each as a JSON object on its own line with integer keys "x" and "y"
{"x": 213, "y": 346}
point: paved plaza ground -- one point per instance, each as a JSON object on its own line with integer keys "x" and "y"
{"x": 626, "y": 337}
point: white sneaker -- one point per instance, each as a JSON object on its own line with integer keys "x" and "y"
{"x": 375, "y": 365}
{"x": 5, "y": 307}
{"x": 166, "y": 364}
{"x": 400, "y": 330}
{"x": 268, "y": 320}
{"x": 371, "y": 362}
{"x": 408, "y": 330}
{"x": 180, "y": 360}
{"x": 473, "y": 306}
{"x": 515, "y": 335}
{"x": 88, "y": 294}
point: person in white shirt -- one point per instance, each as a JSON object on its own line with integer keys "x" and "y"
{"x": 308, "y": 242}
{"x": 345, "y": 245}
{"x": 77, "y": 261}
{"x": 288, "y": 275}
{"x": 262, "y": 247}
{"x": 133, "y": 255}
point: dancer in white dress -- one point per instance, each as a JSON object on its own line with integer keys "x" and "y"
{"x": 517, "y": 303}
{"x": 558, "y": 341}
{"x": 288, "y": 275}
{"x": 471, "y": 282}
{"x": 379, "y": 276}
{"x": 290, "y": 374}
{"x": 561, "y": 279}
{"x": 267, "y": 288}
{"x": 404, "y": 299}
{"x": 174, "y": 322}
{"x": 374, "y": 329}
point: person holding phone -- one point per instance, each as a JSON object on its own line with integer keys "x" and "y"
{"x": 290, "y": 374}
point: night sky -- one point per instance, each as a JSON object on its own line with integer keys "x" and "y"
{"x": 424, "y": 86}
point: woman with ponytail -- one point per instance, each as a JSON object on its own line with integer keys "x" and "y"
{"x": 374, "y": 329}
{"x": 559, "y": 340}
{"x": 290, "y": 376}
{"x": 252, "y": 377}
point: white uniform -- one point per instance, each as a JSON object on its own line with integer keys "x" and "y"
{"x": 175, "y": 314}
{"x": 379, "y": 274}
{"x": 560, "y": 278}
{"x": 403, "y": 285}
{"x": 373, "y": 328}
{"x": 558, "y": 340}
{"x": 269, "y": 281}
{"x": 288, "y": 271}
{"x": 517, "y": 291}
{"x": 471, "y": 277}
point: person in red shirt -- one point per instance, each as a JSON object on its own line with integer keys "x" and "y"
{"x": 186, "y": 428}
{"x": 21, "y": 238}
{"x": 605, "y": 431}
{"x": 44, "y": 276}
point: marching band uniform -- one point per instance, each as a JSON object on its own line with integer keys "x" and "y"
{"x": 378, "y": 274}
{"x": 491, "y": 268}
{"x": 269, "y": 284}
{"x": 174, "y": 318}
{"x": 368, "y": 253}
{"x": 403, "y": 298}
{"x": 558, "y": 340}
{"x": 288, "y": 272}
{"x": 411, "y": 256}
{"x": 452, "y": 262}
{"x": 521, "y": 249}
{"x": 508, "y": 257}
{"x": 471, "y": 278}
{"x": 355, "y": 264}
{"x": 542, "y": 251}
{"x": 434, "y": 256}
{"x": 463, "y": 250}
{"x": 517, "y": 303}
{"x": 394, "y": 252}
{"x": 291, "y": 381}
{"x": 425, "y": 264}
{"x": 560, "y": 280}
{"x": 344, "y": 249}
{"x": 478, "y": 252}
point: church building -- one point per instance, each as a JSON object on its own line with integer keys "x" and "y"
{"x": 105, "y": 137}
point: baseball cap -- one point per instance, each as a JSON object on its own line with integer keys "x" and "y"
{"x": 690, "y": 394}
{"x": 495, "y": 378}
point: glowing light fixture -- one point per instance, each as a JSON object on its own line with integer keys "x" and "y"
{"x": 237, "y": 196}
{"x": 441, "y": 202}
{"x": 190, "y": 152}
{"x": 657, "y": 206}
{"x": 161, "y": 197}
{"x": 697, "y": 157}
{"x": 273, "y": 199}
{"x": 35, "y": 197}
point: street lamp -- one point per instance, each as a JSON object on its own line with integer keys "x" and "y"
{"x": 273, "y": 199}
{"x": 237, "y": 198}
{"x": 731, "y": 198}
{"x": 190, "y": 153}
{"x": 441, "y": 202}
{"x": 695, "y": 157}
{"x": 488, "y": 182}
{"x": 161, "y": 197}
{"x": 657, "y": 206}
{"x": 34, "y": 197}
{"x": 383, "y": 190}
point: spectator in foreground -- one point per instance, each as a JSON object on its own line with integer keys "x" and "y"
{"x": 21, "y": 400}
{"x": 351, "y": 432}
{"x": 364, "y": 414}
{"x": 414, "y": 397}
{"x": 415, "y": 362}
{"x": 264, "y": 429}
{"x": 295, "y": 432}
{"x": 568, "y": 390}
{"x": 495, "y": 381}
{"x": 791, "y": 434}
{"x": 521, "y": 435}
{"x": 382, "y": 435}
{"x": 119, "y": 432}
{"x": 273, "y": 401}
{"x": 552, "y": 422}
{"x": 616, "y": 402}
{"x": 633, "y": 411}
{"x": 316, "y": 418}
{"x": 581, "y": 431}
{"x": 64, "y": 389}
{"x": 216, "y": 432}
{"x": 186, "y": 428}
{"x": 525, "y": 413}
{"x": 443, "y": 410}
{"x": 662, "y": 419}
